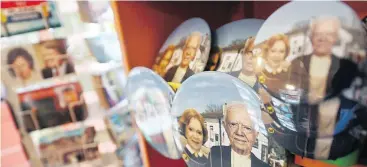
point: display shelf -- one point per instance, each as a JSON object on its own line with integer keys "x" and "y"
{"x": 144, "y": 26}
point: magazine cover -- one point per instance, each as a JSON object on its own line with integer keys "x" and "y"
{"x": 19, "y": 17}
{"x": 150, "y": 99}
{"x": 52, "y": 105}
{"x": 86, "y": 143}
{"x": 222, "y": 128}
{"x": 185, "y": 51}
{"x": 66, "y": 144}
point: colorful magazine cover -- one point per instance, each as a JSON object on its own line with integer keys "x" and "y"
{"x": 53, "y": 105}
{"x": 75, "y": 143}
{"x": 18, "y": 17}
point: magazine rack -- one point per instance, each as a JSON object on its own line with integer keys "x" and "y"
{"x": 144, "y": 26}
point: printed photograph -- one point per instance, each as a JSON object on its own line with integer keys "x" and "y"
{"x": 185, "y": 52}
{"x": 303, "y": 55}
{"x": 24, "y": 65}
{"x": 52, "y": 106}
{"x": 235, "y": 42}
{"x": 20, "y": 66}
{"x": 54, "y": 60}
{"x": 63, "y": 145}
{"x": 220, "y": 128}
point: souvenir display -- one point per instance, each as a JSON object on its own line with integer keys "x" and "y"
{"x": 222, "y": 128}
{"x": 324, "y": 148}
{"x": 235, "y": 43}
{"x": 149, "y": 98}
{"x": 28, "y": 16}
{"x": 302, "y": 85}
{"x": 310, "y": 56}
{"x": 28, "y": 64}
{"x": 52, "y": 105}
{"x": 185, "y": 52}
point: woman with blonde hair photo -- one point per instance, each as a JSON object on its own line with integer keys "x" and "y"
{"x": 160, "y": 67}
{"x": 276, "y": 71}
{"x": 195, "y": 133}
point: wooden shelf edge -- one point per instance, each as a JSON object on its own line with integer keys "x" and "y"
{"x": 120, "y": 34}
{"x": 143, "y": 150}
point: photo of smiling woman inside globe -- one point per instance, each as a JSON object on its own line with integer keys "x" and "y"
{"x": 222, "y": 128}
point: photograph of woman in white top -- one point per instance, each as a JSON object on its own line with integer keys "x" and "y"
{"x": 21, "y": 66}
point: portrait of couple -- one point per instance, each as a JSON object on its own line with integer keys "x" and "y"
{"x": 185, "y": 52}
{"x": 240, "y": 122}
{"x": 39, "y": 61}
{"x": 313, "y": 71}
{"x": 174, "y": 63}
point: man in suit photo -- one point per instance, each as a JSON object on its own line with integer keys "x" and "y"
{"x": 317, "y": 69}
{"x": 182, "y": 71}
{"x": 55, "y": 60}
{"x": 241, "y": 125}
{"x": 247, "y": 72}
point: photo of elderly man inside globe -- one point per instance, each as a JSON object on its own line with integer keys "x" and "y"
{"x": 220, "y": 128}
{"x": 185, "y": 52}
{"x": 241, "y": 124}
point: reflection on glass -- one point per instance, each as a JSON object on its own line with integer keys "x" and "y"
{"x": 149, "y": 98}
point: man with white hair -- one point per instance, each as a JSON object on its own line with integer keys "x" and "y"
{"x": 182, "y": 71}
{"x": 241, "y": 125}
{"x": 317, "y": 69}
